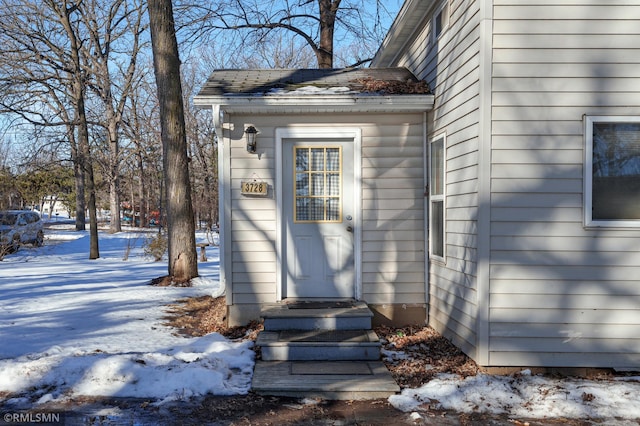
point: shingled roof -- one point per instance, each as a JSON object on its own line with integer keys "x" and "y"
{"x": 315, "y": 90}
{"x": 278, "y": 81}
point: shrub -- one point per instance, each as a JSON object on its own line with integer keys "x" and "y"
{"x": 156, "y": 246}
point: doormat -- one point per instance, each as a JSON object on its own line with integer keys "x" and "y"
{"x": 321, "y": 305}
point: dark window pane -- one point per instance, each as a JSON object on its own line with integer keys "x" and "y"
{"x": 616, "y": 171}
{"x": 437, "y": 228}
{"x": 437, "y": 167}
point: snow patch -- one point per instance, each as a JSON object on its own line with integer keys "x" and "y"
{"x": 526, "y": 396}
{"x": 72, "y": 327}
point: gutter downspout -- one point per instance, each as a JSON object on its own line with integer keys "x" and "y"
{"x": 427, "y": 263}
{"x": 218, "y": 123}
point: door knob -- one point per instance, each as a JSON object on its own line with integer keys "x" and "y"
{"x": 349, "y": 228}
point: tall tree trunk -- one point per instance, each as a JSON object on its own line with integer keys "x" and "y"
{"x": 183, "y": 261}
{"x": 86, "y": 164}
{"x": 142, "y": 192}
{"x": 79, "y": 177}
{"x": 114, "y": 171}
{"x": 328, "y": 11}
{"x": 80, "y": 120}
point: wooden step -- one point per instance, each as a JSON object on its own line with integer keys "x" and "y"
{"x": 317, "y": 316}
{"x": 335, "y": 380}
{"x": 321, "y": 345}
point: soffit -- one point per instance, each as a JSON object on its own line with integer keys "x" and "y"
{"x": 410, "y": 17}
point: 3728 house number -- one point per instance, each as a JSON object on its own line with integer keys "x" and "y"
{"x": 253, "y": 187}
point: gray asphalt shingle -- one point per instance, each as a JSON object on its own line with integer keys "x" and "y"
{"x": 255, "y": 82}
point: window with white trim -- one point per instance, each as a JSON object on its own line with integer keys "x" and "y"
{"x": 612, "y": 171}
{"x": 440, "y": 20}
{"x": 436, "y": 196}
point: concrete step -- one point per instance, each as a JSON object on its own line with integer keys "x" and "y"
{"x": 334, "y": 380}
{"x": 347, "y": 315}
{"x": 320, "y": 345}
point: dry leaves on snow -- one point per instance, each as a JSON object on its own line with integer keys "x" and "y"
{"x": 415, "y": 354}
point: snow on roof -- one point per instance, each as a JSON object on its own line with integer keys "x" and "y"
{"x": 352, "y": 81}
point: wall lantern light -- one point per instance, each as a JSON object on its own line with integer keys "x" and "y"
{"x": 251, "y": 134}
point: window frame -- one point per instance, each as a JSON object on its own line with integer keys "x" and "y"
{"x": 589, "y": 221}
{"x": 438, "y": 198}
{"x": 438, "y": 13}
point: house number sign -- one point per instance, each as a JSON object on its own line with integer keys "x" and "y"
{"x": 254, "y": 187}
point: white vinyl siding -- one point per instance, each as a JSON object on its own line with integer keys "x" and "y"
{"x": 451, "y": 67}
{"x": 561, "y": 294}
{"x": 612, "y": 171}
{"x": 393, "y": 211}
{"x": 251, "y": 227}
{"x": 392, "y": 207}
{"x": 525, "y": 283}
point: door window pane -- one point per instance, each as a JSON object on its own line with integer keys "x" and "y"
{"x": 317, "y": 209}
{"x": 333, "y": 184}
{"x": 302, "y": 184}
{"x": 302, "y": 160}
{"x": 333, "y": 209}
{"x": 317, "y": 159}
{"x": 333, "y": 159}
{"x": 318, "y": 176}
{"x": 317, "y": 186}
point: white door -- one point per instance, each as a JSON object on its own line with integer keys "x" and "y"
{"x": 318, "y": 215}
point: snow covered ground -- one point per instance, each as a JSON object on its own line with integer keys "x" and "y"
{"x": 529, "y": 396}
{"x": 70, "y": 326}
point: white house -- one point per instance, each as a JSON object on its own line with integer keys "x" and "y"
{"x": 504, "y": 205}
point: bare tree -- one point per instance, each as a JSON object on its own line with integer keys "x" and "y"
{"x": 183, "y": 262}
{"x": 313, "y": 21}
{"x": 78, "y": 87}
{"x": 140, "y": 128}
{"x": 44, "y": 82}
{"x": 115, "y": 31}
{"x": 203, "y": 148}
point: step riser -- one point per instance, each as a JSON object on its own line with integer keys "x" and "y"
{"x": 321, "y": 352}
{"x": 315, "y": 353}
{"x": 328, "y": 395}
{"x": 358, "y": 380}
{"x": 329, "y": 323}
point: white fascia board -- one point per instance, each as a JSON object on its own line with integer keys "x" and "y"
{"x": 326, "y": 103}
{"x": 407, "y": 22}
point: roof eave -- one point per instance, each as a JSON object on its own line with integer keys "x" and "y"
{"x": 322, "y": 103}
{"x": 407, "y": 21}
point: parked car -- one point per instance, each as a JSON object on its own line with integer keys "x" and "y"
{"x": 20, "y": 227}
